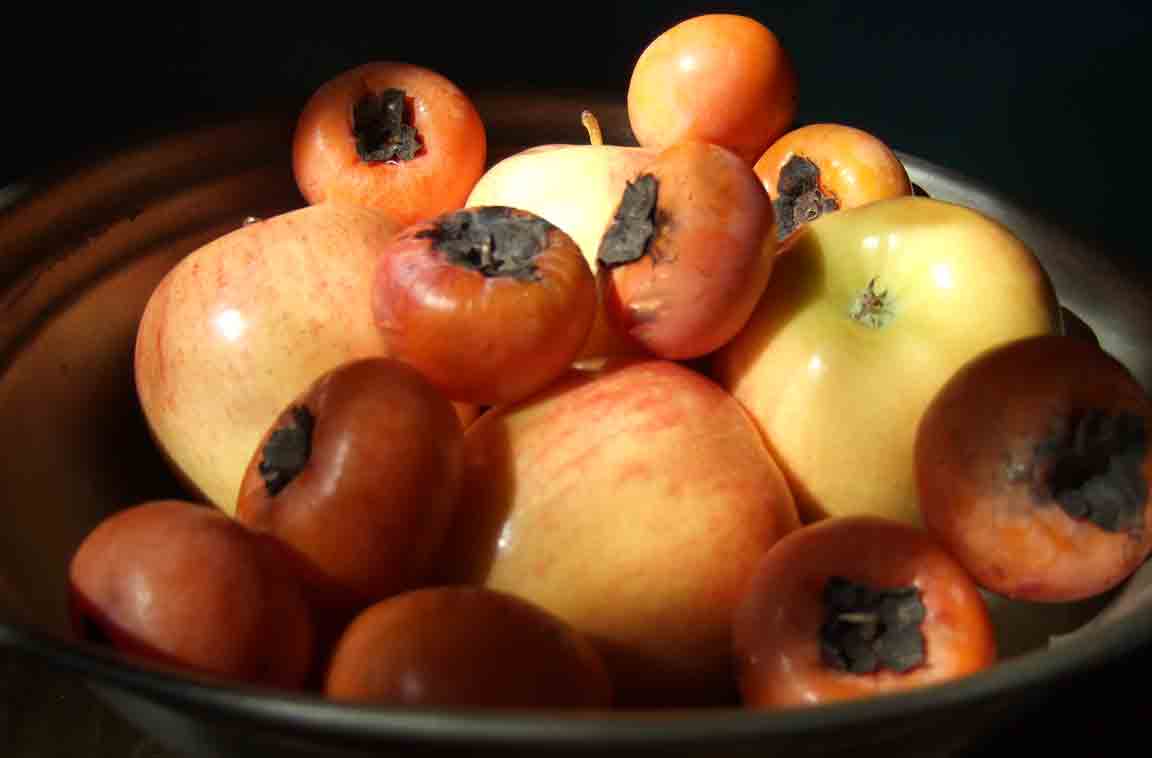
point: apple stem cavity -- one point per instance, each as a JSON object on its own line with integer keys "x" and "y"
{"x": 871, "y": 308}
{"x": 1092, "y": 465}
{"x": 869, "y": 629}
{"x": 592, "y": 126}
{"x": 799, "y": 197}
{"x": 287, "y": 450}
{"x": 633, "y": 225}
{"x": 381, "y": 125}
{"x": 495, "y": 241}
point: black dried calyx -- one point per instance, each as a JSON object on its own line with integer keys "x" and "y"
{"x": 496, "y": 241}
{"x": 633, "y": 225}
{"x": 1095, "y": 468}
{"x": 867, "y": 629}
{"x": 382, "y": 133}
{"x": 287, "y": 450}
{"x": 799, "y": 199}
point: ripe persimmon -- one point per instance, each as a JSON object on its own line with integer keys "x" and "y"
{"x": 490, "y": 303}
{"x": 1032, "y": 465}
{"x": 721, "y": 78}
{"x": 820, "y": 168}
{"x": 689, "y": 251}
{"x": 853, "y": 607}
{"x": 393, "y": 136}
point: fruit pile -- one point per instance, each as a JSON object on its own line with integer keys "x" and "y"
{"x": 732, "y": 415}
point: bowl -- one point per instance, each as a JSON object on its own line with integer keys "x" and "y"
{"x": 80, "y": 253}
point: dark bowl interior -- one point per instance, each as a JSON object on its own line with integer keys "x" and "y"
{"x": 79, "y": 255}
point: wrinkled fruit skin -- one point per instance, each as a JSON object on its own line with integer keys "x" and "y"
{"x": 183, "y": 585}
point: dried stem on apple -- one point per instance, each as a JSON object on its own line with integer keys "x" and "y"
{"x": 592, "y": 126}
{"x": 871, "y": 308}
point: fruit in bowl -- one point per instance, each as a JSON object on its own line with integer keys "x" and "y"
{"x": 631, "y": 500}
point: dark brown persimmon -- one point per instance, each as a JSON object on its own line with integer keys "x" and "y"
{"x": 853, "y": 607}
{"x": 689, "y": 251}
{"x": 360, "y": 477}
{"x": 490, "y": 303}
{"x": 719, "y": 77}
{"x": 467, "y": 647}
{"x": 1032, "y": 465}
{"x": 393, "y": 136}
{"x": 820, "y": 168}
{"x": 184, "y": 585}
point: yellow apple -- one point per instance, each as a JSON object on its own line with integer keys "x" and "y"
{"x": 866, "y": 316}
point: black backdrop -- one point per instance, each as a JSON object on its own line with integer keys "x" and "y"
{"x": 1045, "y": 102}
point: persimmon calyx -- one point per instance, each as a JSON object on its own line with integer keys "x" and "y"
{"x": 800, "y": 198}
{"x": 495, "y": 241}
{"x": 382, "y": 128}
{"x": 1092, "y": 465}
{"x": 287, "y": 450}
{"x": 868, "y": 629}
{"x": 870, "y": 307}
{"x": 633, "y": 224}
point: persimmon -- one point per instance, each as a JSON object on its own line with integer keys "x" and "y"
{"x": 465, "y": 647}
{"x": 359, "y": 477}
{"x": 490, "y": 303}
{"x": 824, "y": 167}
{"x": 184, "y": 585}
{"x": 721, "y": 78}
{"x": 854, "y": 607}
{"x": 1032, "y": 465}
{"x": 393, "y": 136}
{"x": 689, "y": 251}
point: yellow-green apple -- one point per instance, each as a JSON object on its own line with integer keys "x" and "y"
{"x": 633, "y": 502}
{"x": 240, "y": 327}
{"x": 866, "y": 316}
{"x": 577, "y": 188}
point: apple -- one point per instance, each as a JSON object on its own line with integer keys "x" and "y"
{"x": 577, "y": 188}
{"x": 632, "y": 502}
{"x": 865, "y": 317}
{"x": 246, "y": 323}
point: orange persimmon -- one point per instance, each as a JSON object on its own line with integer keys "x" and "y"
{"x": 854, "y": 607}
{"x": 721, "y": 78}
{"x": 820, "y": 168}
{"x": 1032, "y": 465}
{"x": 490, "y": 303}
{"x": 689, "y": 251}
{"x": 393, "y": 136}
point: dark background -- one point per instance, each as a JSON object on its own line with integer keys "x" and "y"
{"x": 1044, "y": 101}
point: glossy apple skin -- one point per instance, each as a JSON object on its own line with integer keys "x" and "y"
{"x": 985, "y": 458}
{"x": 243, "y": 325}
{"x": 182, "y": 584}
{"x": 777, "y": 626}
{"x": 839, "y": 401}
{"x": 632, "y": 502}
{"x": 577, "y": 188}
{"x": 708, "y": 261}
{"x": 465, "y": 647}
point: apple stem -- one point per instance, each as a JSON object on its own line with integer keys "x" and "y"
{"x": 592, "y": 126}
